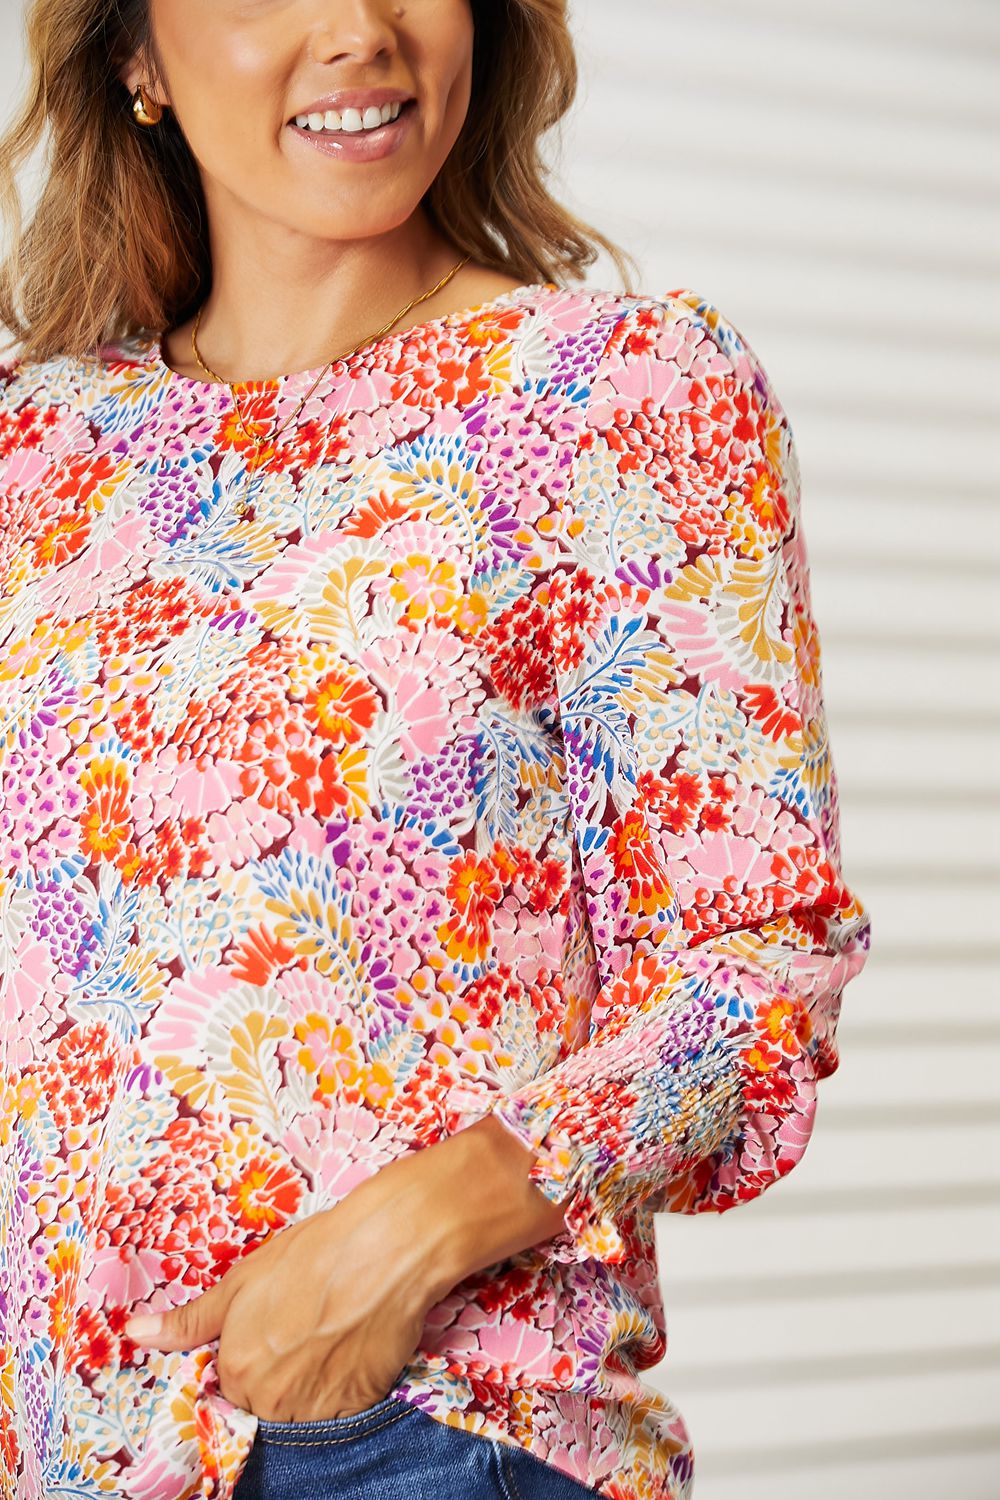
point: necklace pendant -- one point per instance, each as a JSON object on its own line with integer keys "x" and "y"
{"x": 244, "y": 510}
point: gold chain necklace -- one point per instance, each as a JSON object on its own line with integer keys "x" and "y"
{"x": 242, "y": 508}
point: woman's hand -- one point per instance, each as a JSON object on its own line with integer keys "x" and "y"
{"x": 320, "y": 1319}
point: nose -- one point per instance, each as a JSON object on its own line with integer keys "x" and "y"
{"x": 355, "y": 30}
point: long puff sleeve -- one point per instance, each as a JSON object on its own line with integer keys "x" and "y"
{"x": 701, "y": 791}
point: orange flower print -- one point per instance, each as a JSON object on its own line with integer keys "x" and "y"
{"x": 87, "y": 479}
{"x": 260, "y": 955}
{"x": 378, "y": 511}
{"x": 760, "y": 1058}
{"x": 807, "y": 647}
{"x": 461, "y": 381}
{"x": 96, "y": 1344}
{"x": 255, "y": 417}
{"x": 788, "y": 1024}
{"x": 483, "y": 330}
{"x": 778, "y": 721}
{"x": 266, "y": 1194}
{"x": 62, "y": 538}
{"x": 9, "y": 1448}
{"x": 342, "y": 706}
{"x": 636, "y": 860}
{"x": 765, "y": 501}
{"x": 473, "y": 890}
{"x": 316, "y": 781}
{"x": 106, "y": 822}
{"x": 83, "y": 484}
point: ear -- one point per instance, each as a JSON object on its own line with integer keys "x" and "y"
{"x": 137, "y": 71}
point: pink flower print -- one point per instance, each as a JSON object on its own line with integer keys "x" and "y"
{"x": 39, "y": 806}
{"x": 632, "y": 379}
{"x": 241, "y": 833}
{"x": 434, "y": 655}
{"x": 496, "y": 1346}
{"x": 763, "y": 818}
{"x": 412, "y": 687}
{"x": 723, "y": 861}
{"x": 156, "y": 1476}
{"x": 520, "y": 461}
{"x": 117, "y": 1279}
{"x": 341, "y": 1148}
{"x": 32, "y": 999}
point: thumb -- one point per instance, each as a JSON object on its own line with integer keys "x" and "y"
{"x": 195, "y": 1322}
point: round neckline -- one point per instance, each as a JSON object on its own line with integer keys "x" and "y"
{"x": 152, "y": 349}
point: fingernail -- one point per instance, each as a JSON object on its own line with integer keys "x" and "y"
{"x": 144, "y": 1325}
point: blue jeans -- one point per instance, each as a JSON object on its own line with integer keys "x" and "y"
{"x": 394, "y": 1451}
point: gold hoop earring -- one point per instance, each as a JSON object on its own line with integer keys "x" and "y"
{"x": 145, "y": 111}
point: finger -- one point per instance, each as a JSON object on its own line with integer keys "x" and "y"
{"x": 185, "y": 1327}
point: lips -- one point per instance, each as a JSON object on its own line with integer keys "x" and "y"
{"x": 372, "y": 145}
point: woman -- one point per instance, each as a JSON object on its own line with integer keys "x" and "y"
{"x": 419, "y": 841}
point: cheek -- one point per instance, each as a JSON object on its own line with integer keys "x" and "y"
{"x": 223, "y": 80}
{"x": 442, "y": 55}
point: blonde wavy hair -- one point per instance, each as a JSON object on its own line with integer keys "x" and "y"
{"x": 118, "y": 239}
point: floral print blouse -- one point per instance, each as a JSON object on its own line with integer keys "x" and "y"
{"x": 478, "y": 764}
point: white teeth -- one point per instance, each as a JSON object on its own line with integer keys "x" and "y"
{"x": 350, "y": 120}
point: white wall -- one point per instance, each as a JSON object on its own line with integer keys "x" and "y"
{"x": 829, "y": 177}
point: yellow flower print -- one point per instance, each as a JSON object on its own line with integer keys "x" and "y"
{"x": 309, "y": 666}
{"x": 329, "y": 1053}
{"x": 426, "y": 587}
{"x": 125, "y": 675}
{"x": 26, "y": 1093}
{"x": 354, "y": 780}
{"x": 444, "y": 490}
{"x": 315, "y": 928}
{"x": 744, "y": 532}
{"x": 806, "y": 641}
{"x": 64, "y": 1263}
{"x": 6, "y": 1378}
{"x": 471, "y": 613}
{"x": 377, "y": 1085}
{"x": 187, "y": 1406}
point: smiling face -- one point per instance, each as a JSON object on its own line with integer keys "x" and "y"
{"x": 236, "y": 73}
